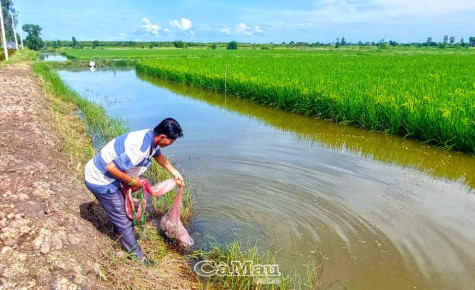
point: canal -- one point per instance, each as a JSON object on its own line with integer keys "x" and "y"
{"x": 367, "y": 209}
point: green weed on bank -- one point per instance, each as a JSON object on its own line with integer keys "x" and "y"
{"x": 238, "y": 266}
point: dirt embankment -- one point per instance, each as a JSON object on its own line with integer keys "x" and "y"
{"x": 46, "y": 238}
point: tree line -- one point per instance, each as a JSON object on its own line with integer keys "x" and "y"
{"x": 446, "y": 42}
{"x": 74, "y": 43}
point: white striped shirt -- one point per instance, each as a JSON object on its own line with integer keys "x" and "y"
{"x": 131, "y": 153}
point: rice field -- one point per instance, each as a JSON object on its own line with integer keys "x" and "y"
{"x": 424, "y": 94}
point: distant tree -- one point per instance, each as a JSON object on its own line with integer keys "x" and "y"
{"x": 343, "y": 41}
{"x": 393, "y": 43}
{"x": 214, "y": 46}
{"x": 292, "y": 43}
{"x": 232, "y": 45}
{"x": 95, "y": 43}
{"x": 75, "y": 43}
{"x": 446, "y": 39}
{"x": 33, "y": 40}
{"x": 462, "y": 43}
{"x": 382, "y": 44}
{"x": 472, "y": 41}
{"x": 452, "y": 40}
{"x": 360, "y": 43}
{"x": 429, "y": 42}
{"x": 179, "y": 44}
{"x": 302, "y": 43}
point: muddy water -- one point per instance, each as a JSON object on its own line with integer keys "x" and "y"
{"x": 364, "y": 210}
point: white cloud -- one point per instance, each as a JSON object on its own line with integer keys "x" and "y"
{"x": 243, "y": 29}
{"x": 149, "y": 27}
{"x": 184, "y": 24}
{"x": 224, "y": 30}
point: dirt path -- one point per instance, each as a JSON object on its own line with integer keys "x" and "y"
{"x": 43, "y": 236}
{"x": 45, "y": 239}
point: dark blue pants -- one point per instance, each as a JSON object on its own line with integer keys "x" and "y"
{"x": 114, "y": 205}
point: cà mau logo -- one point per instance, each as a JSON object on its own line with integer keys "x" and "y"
{"x": 209, "y": 268}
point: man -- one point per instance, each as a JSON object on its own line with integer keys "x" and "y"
{"x": 123, "y": 160}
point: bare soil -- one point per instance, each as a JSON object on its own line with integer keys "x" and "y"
{"x": 52, "y": 230}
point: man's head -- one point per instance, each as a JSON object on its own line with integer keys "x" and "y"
{"x": 167, "y": 132}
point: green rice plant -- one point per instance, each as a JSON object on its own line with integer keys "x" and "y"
{"x": 429, "y": 97}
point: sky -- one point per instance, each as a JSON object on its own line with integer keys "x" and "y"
{"x": 250, "y": 21}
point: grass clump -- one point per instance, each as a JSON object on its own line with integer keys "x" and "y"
{"x": 219, "y": 266}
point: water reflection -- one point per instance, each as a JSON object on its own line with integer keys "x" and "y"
{"x": 52, "y": 57}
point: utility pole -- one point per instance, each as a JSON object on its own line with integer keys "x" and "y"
{"x": 4, "y": 40}
{"x": 14, "y": 32}
{"x": 21, "y": 40}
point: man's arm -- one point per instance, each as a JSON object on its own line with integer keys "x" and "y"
{"x": 112, "y": 169}
{"x": 163, "y": 161}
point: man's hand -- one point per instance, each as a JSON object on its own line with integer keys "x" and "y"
{"x": 180, "y": 181}
{"x": 112, "y": 169}
{"x": 136, "y": 185}
{"x": 163, "y": 161}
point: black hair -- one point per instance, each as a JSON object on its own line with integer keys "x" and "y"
{"x": 170, "y": 128}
